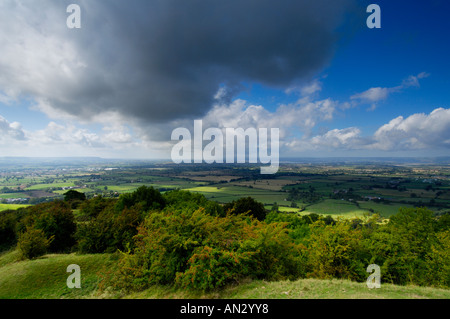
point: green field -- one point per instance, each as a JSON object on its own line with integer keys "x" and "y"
{"x": 385, "y": 210}
{"x": 336, "y": 208}
{"x": 52, "y": 185}
{"x": 396, "y": 185}
{"x": 14, "y": 195}
{"x": 11, "y": 206}
{"x": 225, "y": 194}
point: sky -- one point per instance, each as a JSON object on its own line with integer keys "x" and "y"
{"x": 135, "y": 70}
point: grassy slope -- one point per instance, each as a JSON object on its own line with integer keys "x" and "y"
{"x": 302, "y": 289}
{"x": 45, "y": 278}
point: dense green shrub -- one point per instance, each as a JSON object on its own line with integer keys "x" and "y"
{"x": 246, "y": 205}
{"x": 298, "y": 226}
{"x": 438, "y": 260}
{"x": 336, "y": 251}
{"x": 181, "y": 238}
{"x": 274, "y": 256}
{"x": 125, "y": 228}
{"x": 56, "y": 220}
{"x": 109, "y": 231}
{"x": 33, "y": 243}
{"x": 443, "y": 222}
{"x": 74, "y": 195}
{"x": 195, "y": 250}
{"x": 74, "y": 198}
{"x": 8, "y": 224}
{"x": 147, "y": 197}
{"x": 184, "y": 247}
{"x": 91, "y": 208}
{"x": 402, "y": 247}
{"x": 96, "y": 236}
{"x": 211, "y": 268}
{"x": 189, "y": 201}
{"x": 113, "y": 223}
{"x": 167, "y": 240}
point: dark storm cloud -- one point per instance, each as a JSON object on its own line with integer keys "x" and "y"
{"x": 158, "y": 61}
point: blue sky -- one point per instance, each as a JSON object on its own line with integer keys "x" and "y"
{"x": 412, "y": 40}
{"x": 118, "y": 86}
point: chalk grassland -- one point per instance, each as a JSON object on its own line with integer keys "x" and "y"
{"x": 46, "y": 278}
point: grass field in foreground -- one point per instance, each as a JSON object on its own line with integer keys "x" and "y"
{"x": 45, "y": 278}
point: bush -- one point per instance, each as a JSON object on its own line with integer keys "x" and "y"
{"x": 166, "y": 241}
{"x": 147, "y": 197}
{"x": 200, "y": 251}
{"x": 73, "y": 195}
{"x": 296, "y": 225}
{"x": 96, "y": 236}
{"x": 335, "y": 251}
{"x": 211, "y": 268}
{"x": 33, "y": 243}
{"x": 274, "y": 256}
{"x": 56, "y": 220}
{"x": 125, "y": 228}
{"x": 8, "y": 222}
{"x": 189, "y": 201}
{"x": 246, "y": 205}
{"x": 443, "y": 222}
{"x": 439, "y": 260}
{"x": 403, "y": 246}
{"x": 109, "y": 231}
{"x": 91, "y": 208}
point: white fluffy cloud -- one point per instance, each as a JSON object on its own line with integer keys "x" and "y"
{"x": 307, "y": 89}
{"x": 62, "y": 139}
{"x": 418, "y": 131}
{"x": 57, "y": 134}
{"x": 373, "y": 95}
{"x": 302, "y": 115}
{"x": 10, "y": 132}
{"x": 376, "y": 94}
{"x": 344, "y": 138}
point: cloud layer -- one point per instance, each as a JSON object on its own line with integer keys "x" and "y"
{"x": 418, "y": 131}
{"x": 156, "y": 65}
{"x": 158, "y": 61}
